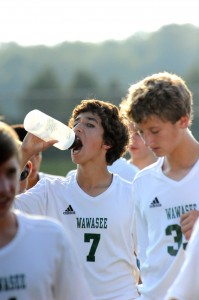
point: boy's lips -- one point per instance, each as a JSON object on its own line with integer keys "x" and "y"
{"x": 155, "y": 149}
{"x": 4, "y": 201}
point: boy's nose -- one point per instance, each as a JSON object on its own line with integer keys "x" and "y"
{"x": 148, "y": 140}
{"x": 78, "y": 128}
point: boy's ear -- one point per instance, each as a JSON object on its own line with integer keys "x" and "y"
{"x": 29, "y": 163}
{"x": 106, "y": 147}
{"x": 184, "y": 121}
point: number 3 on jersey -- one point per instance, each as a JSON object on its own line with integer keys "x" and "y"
{"x": 96, "y": 238}
{"x": 177, "y": 238}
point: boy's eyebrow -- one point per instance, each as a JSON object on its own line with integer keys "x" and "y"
{"x": 88, "y": 118}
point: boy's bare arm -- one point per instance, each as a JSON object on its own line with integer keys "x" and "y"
{"x": 187, "y": 222}
{"x": 32, "y": 145}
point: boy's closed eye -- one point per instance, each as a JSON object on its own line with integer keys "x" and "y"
{"x": 11, "y": 172}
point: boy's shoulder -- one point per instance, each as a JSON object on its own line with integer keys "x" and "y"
{"x": 55, "y": 181}
{"x": 39, "y": 223}
{"x": 154, "y": 168}
{"x": 122, "y": 182}
{"x": 50, "y": 176}
{"x": 123, "y": 168}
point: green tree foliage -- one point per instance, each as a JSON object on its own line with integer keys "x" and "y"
{"x": 192, "y": 75}
{"x": 57, "y": 77}
{"x": 192, "y": 79}
{"x": 45, "y": 80}
{"x": 83, "y": 80}
{"x": 44, "y": 93}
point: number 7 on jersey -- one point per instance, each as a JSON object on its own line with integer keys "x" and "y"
{"x": 96, "y": 238}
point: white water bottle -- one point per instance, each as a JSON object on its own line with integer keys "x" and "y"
{"x": 48, "y": 128}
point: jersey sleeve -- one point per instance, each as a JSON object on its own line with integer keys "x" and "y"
{"x": 34, "y": 200}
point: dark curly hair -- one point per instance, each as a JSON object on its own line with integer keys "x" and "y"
{"x": 115, "y": 127}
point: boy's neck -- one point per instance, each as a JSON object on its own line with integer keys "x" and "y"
{"x": 32, "y": 181}
{"x": 178, "y": 164}
{"x": 8, "y": 228}
{"x": 94, "y": 182}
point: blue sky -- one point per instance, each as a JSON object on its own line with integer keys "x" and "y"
{"x": 50, "y": 22}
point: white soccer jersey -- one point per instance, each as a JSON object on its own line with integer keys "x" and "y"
{"x": 100, "y": 226}
{"x": 50, "y": 176}
{"x": 160, "y": 201}
{"x": 40, "y": 264}
{"x": 123, "y": 168}
{"x": 186, "y": 285}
